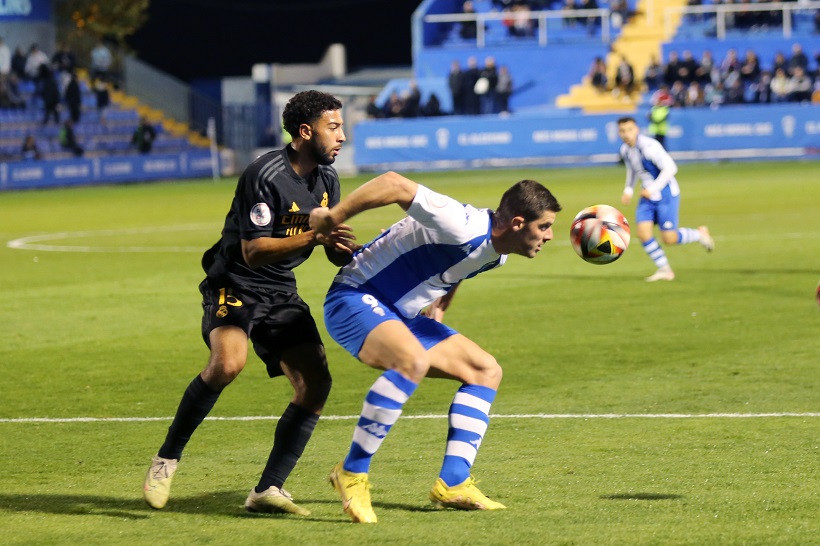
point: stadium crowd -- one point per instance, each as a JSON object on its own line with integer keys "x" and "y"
{"x": 686, "y": 81}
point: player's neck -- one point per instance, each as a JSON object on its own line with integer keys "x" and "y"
{"x": 300, "y": 162}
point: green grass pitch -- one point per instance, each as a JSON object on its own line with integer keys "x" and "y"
{"x": 630, "y": 413}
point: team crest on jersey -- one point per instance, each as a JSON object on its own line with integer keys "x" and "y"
{"x": 294, "y": 207}
{"x": 324, "y": 199}
{"x": 260, "y": 214}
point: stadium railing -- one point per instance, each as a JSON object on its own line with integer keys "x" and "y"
{"x": 717, "y": 16}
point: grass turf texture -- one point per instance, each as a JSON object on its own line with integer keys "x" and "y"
{"x": 115, "y": 333}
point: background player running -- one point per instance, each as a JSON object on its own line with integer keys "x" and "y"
{"x": 373, "y": 310}
{"x": 645, "y": 159}
{"x": 250, "y": 292}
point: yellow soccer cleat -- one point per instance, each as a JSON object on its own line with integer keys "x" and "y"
{"x": 274, "y": 501}
{"x": 157, "y": 484}
{"x": 355, "y": 492}
{"x": 464, "y": 496}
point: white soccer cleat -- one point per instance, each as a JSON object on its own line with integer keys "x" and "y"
{"x": 157, "y": 484}
{"x": 664, "y": 273}
{"x": 706, "y": 240}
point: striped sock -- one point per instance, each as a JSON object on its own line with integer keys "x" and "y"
{"x": 469, "y": 417}
{"x": 656, "y": 253}
{"x": 382, "y": 408}
{"x": 688, "y": 235}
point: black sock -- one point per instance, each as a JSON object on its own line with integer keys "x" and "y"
{"x": 196, "y": 403}
{"x": 292, "y": 434}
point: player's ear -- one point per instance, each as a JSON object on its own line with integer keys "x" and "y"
{"x": 517, "y": 223}
{"x": 305, "y": 131}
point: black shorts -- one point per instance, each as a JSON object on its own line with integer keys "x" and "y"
{"x": 273, "y": 320}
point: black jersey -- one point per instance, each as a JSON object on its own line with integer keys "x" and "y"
{"x": 271, "y": 200}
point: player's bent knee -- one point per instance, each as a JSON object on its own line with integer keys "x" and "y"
{"x": 669, "y": 237}
{"x": 221, "y": 372}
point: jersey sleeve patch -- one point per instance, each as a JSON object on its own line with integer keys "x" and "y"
{"x": 260, "y": 214}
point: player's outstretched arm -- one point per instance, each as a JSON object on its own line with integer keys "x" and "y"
{"x": 385, "y": 189}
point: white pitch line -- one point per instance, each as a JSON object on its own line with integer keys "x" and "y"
{"x": 493, "y": 416}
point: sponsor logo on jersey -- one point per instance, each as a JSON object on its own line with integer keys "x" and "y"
{"x": 294, "y": 207}
{"x": 260, "y": 214}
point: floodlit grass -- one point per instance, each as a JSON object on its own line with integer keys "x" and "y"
{"x": 684, "y": 369}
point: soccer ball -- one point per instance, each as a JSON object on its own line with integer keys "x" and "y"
{"x": 599, "y": 234}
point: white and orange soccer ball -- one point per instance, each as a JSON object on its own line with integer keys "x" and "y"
{"x": 600, "y": 234}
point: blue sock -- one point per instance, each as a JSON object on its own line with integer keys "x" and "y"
{"x": 688, "y": 235}
{"x": 382, "y": 408}
{"x": 469, "y": 417}
{"x": 655, "y": 252}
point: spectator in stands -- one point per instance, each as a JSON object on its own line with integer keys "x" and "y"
{"x": 63, "y": 60}
{"x": 800, "y": 86}
{"x": 73, "y": 97}
{"x": 688, "y": 68}
{"x": 35, "y": 59}
{"x": 734, "y": 93}
{"x": 619, "y": 13}
{"x": 670, "y": 73}
{"x": 468, "y": 29}
{"x": 503, "y": 90}
{"x": 102, "y": 98}
{"x": 624, "y": 78}
{"x": 569, "y": 21}
{"x": 18, "y": 63}
{"x": 373, "y": 110}
{"x": 695, "y": 95}
{"x": 10, "y": 96}
{"x": 779, "y": 86}
{"x": 101, "y": 62}
{"x": 798, "y": 59}
{"x": 597, "y": 74}
{"x": 519, "y": 24}
{"x": 50, "y": 93}
{"x": 144, "y": 136}
{"x": 678, "y": 93}
{"x": 456, "y": 84}
{"x": 68, "y": 140}
{"x": 29, "y": 150}
{"x": 591, "y": 22}
{"x": 411, "y": 101}
{"x": 393, "y": 106}
{"x": 653, "y": 76}
{"x": 730, "y": 64}
{"x": 780, "y": 62}
{"x": 714, "y": 95}
{"x": 5, "y": 59}
{"x": 432, "y": 107}
{"x": 761, "y": 89}
{"x": 707, "y": 73}
{"x": 471, "y": 103}
{"x": 750, "y": 69}
{"x": 490, "y": 75}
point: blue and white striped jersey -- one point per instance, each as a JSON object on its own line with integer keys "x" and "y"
{"x": 648, "y": 161}
{"x": 439, "y": 243}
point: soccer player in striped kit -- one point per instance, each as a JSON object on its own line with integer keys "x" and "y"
{"x": 646, "y": 159}
{"x": 373, "y": 310}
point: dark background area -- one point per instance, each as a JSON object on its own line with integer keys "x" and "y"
{"x": 194, "y": 39}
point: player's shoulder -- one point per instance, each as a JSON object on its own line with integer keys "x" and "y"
{"x": 327, "y": 172}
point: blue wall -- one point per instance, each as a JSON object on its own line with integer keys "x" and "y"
{"x": 572, "y": 139}
{"x": 104, "y": 170}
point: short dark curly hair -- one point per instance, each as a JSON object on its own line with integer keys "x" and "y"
{"x": 307, "y": 107}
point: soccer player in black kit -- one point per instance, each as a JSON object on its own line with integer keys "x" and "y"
{"x": 250, "y": 293}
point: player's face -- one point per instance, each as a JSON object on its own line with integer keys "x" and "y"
{"x": 327, "y": 137}
{"x": 531, "y": 236}
{"x": 628, "y": 132}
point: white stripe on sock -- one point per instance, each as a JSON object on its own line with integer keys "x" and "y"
{"x": 463, "y": 449}
{"x": 464, "y": 399}
{"x": 471, "y": 424}
{"x": 386, "y": 388}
